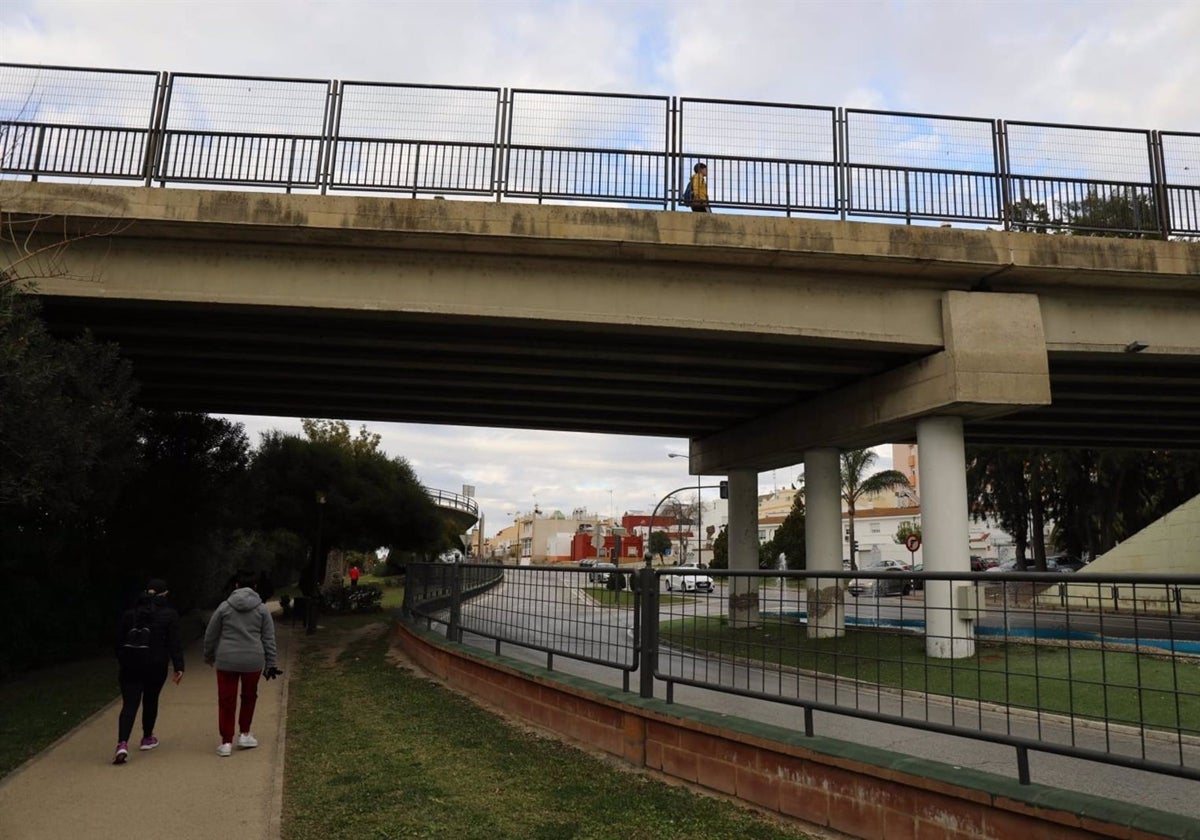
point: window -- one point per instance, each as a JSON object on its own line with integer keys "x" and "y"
{"x": 874, "y": 527}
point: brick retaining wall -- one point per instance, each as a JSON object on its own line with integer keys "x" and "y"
{"x": 859, "y": 790}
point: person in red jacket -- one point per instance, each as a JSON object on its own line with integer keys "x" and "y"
{"x": 354, "y": 573}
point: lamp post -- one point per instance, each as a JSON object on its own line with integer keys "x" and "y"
{"x": 699, "y": 514}
{"x": 310, "y": 624}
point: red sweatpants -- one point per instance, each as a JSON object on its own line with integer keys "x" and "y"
{"x": 227, "y": 691}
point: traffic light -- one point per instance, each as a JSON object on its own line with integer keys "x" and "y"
{"x": 724, "y": 489}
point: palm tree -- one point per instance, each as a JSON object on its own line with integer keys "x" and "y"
{"x": 856, "y": 484}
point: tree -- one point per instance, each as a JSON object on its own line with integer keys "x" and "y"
{"x": 790, "y": 538}
{"x": 341, "y": 493}
{"x": 660, "y": 543}
{"x": 999, "y": 484}
{"x": 1122, "y": 212}
{"x": 1097, "y": 498}
{"x": 181, "y": 516}
{"x": 906, "y": 530}
{"x": 337, "y": 433}
{"x": 856, "y": 484}
{"x": 1126, "y": 213}
{"x": 720, "y": 550}
{"x": 67, "y": 447}
{"x": 1027, "y": 216}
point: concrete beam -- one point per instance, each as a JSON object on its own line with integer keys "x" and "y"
{"x": 970, "y": 259}
{"x": 994, "y": 362}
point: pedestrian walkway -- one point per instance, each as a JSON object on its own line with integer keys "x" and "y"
{"x": 182, "y": 790}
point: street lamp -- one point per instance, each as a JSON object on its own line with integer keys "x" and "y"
{"x": 310, "y": 618}
{"x": 699, "y": 513}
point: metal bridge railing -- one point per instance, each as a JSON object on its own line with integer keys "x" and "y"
{"x": 454, "y": 501}
{"x": 1104, "y": 668}
{"x": 323, "y": 135}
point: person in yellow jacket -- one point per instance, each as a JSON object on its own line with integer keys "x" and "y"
{"x": 700, "y": 189}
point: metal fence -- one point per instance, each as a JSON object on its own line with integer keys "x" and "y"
{"x": 1099, "y": 667}
{"x": 323, "y": 135}
{"x": 453, "y": 501}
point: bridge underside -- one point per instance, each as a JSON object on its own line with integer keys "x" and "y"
{"x": 492, "y": 372}
{"x": 752, "y": 337}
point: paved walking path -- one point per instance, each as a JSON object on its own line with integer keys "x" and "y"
{"x": 182, "y": 790}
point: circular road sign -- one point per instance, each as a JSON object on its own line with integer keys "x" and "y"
{"x": 912, "y": 542}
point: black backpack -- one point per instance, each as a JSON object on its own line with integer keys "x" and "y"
{"x": 687, "y": 193}
{"x": 135, "y": 647}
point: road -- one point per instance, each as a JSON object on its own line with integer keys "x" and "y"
{"x": 552, "y": 611}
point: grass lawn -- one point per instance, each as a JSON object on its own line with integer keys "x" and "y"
{"x": 375, "y": 751}
{"x": 42, "y": 706}
{"x": 1121, "y": 686}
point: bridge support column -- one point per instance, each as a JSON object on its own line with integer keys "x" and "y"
{"x": 743, "y": 547}
{"x": 826, "y": 597}
{"x": 945, "y": 534}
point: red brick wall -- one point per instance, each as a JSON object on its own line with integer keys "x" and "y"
{"x": 857, "y": 798}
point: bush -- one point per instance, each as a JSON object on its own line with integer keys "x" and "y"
{"x": 364, "y": 598}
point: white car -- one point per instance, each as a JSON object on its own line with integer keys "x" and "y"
{"x": 689, "y": 579}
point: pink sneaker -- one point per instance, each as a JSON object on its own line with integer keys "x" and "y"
{"x": 122, "y": 753}
{"x": 149, "y": 743}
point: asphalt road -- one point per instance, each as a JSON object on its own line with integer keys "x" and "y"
{"x": 552, "y": 612}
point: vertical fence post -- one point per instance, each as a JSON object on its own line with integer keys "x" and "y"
{"x": 326, "y": 154}
{"x": 841, "y": 167}
{"x": 406, "y": 602}
{"x": 453, "y": 630}
{"x": 1000, "y": 170}
{"x": 37, "y": 155}
{"x": 1023, "y": 765}
{"x": 501, "y": 142}
{"x": 154, "y": 131}
{"x": 648, "y": 639}
{"x": 1158, "y": 176}
{"x": 671, "y": 162}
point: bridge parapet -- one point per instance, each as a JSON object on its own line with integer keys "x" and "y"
{"x": 324, "y": 135}
{"x": 462, "y": 507}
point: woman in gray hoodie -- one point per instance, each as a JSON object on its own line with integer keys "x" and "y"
{"x": 240, "y": 642}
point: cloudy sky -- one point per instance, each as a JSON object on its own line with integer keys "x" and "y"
{"x": 1092, "y": 62}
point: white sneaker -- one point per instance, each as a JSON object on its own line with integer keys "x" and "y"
{"x": 225, "y": 750}
{"x": 246, "y": 741}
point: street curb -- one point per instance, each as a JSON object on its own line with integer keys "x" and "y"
{"x": 275, "y": 814}
{"x": 46, "y": 750}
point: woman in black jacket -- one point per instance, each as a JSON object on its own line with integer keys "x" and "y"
{"x": 148, "y": 639}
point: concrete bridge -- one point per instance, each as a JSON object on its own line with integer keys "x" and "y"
{"x": 765, "y": 341}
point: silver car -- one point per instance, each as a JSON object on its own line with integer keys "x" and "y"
{"x": 891, "y": 582}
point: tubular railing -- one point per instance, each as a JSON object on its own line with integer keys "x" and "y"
{"x": 370, "y": 137}
{"x": 1104, "y": 668}
{"x": 558, "y": 611}
{"x": 454, "y": 501}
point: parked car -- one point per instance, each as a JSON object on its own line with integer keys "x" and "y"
{"x": 1065, "y": 562}
{"x": 600, "y": 571}
{"x": 689, "y": 579}
{"x": 893, "y": 583}
{"x": 982, "y": 564}
{"x": 1052, "y": 567}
